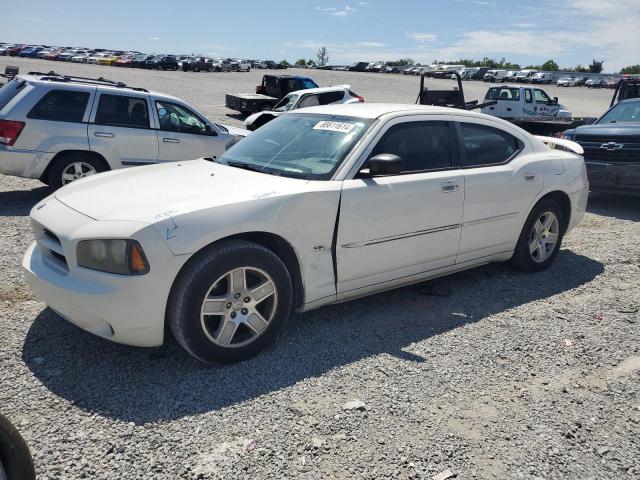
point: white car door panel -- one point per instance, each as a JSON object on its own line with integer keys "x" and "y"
{"x": 396, "y": 226}
{"x": 120, "y": 130}
{"x": 497, "y": 197}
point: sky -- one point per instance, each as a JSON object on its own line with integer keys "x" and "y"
{"x": 525, "y": 31}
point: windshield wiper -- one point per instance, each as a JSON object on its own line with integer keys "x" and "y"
{"x": 246, "y": 166}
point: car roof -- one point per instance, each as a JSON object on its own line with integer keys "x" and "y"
{"x": 334, "y": 88}
{"x": 377, "y": 110}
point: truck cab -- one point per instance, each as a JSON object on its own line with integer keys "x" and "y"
{"x": 278, "y": 86}
{"x": 516, "y": 101}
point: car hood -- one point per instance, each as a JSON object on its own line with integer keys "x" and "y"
{"x": 610, "y": 129}
{"x": 149, "y": 194}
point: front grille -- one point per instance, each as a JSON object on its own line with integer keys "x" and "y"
{"x": 51, "y": 235}
{"x": 50, "y": 246}
{"x": 613, "y": 156}
{"x": 600, "y": 139}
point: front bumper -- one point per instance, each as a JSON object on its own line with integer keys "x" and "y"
{"x": 621, "y": 177}
{"x": 124, "y": 309}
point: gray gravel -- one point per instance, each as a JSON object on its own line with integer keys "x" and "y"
{"x": 490, "y": 373}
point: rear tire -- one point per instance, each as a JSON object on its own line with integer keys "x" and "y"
{"x": 15, "y": 458}
{"x": 70, "y": 165}
{"x": 219, "y": 315}
{"x": 541, "y": 237}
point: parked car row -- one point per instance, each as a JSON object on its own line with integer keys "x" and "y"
{"x": 135, "y": 59}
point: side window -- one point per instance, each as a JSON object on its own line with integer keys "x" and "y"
{"x": 309, "y": 101}
{"x": 483, "y": 145}
{"x": 527, "y": 96}
{"x": 421, "y": 145}
{"x": 540, "y": 96}
{"x": 61, "y": 106}
{"x": 331, "y": 97}
{"x": 176, "y": 118}
{"x": 121, "y": 111}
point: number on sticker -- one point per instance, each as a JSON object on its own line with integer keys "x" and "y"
{"x": 341, "y": 127}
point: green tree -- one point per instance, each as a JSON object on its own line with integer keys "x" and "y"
{"x": 301, "y": 62}
{"x": 284, "y": 63}
{"x": 549, "y": 66}
{"x": 596, "y": 66}
{"x": 311, "y": 63}
{"x": 403, "y": 62}
{"x": 631, "y": 70}
{"x": 322, "y": 56}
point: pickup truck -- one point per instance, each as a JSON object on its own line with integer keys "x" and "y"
{"x": 530, "y": 108}
{"x": 272, "y": 89}
{"x": 197, "y": 64}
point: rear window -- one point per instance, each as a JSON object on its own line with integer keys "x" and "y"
{"x": 9, "y": 91}
{"x": 503, "y": 93}
{"x": 483, "y": 145}
{"x": 61, "y": 106}
{"x": 122, "y": 111}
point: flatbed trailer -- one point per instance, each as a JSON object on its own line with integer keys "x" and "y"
{"x": 249, "y": 102}
{"x": 548, "y": 127}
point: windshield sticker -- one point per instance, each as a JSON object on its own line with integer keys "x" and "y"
{"x": 341, "y": 127}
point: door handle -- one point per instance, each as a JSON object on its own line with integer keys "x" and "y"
{"x": 170, "y": 140}
{"x": 104, "y": 134}
{"x": 530, "y": 176}
{"x": 451, "y": 186}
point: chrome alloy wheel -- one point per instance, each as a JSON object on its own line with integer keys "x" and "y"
{"x": 77, "y": 170}
{"x": 238, "y": 307}
{"x": 544, "y": 236}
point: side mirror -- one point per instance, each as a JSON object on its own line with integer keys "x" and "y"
{"x": 384, "y": 164}
{"x": 555, "y": 100}
{"x": 210, "y": 131}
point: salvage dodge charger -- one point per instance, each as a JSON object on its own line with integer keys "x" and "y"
{"x": 320, "y": 206}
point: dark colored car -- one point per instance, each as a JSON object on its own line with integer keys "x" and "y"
{"x": 479, "y": 75}
{"x": 29, "y": 52}
{"x": 162, "y": 62}
{"x": 612, "y": 149}
{"x": 140, "y": 61}
{"x": 197, "y": 64}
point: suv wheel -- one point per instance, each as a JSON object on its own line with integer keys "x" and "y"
{"x": 231, "y": 302}
{"x": 73, "y": 166}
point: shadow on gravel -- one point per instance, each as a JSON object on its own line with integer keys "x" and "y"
{"x": 18, "y": 203}
{"x": 617, "y": 206}
{"x": 148, "y": 385}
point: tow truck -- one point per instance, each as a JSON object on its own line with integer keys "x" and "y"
{"x": 272, "y": 89}
{"x": 526, "y": 106}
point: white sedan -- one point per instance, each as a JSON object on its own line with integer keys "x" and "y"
{"x": 319, "y": 206}
{"x": 310, "y": 97}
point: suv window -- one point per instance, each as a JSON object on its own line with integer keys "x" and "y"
{"x": 61, "y": 106}
{"x": 9, "y": 91}
{"x": 483, "y": 145}
{"x": 331, "y": 97}
{"x": 527, "y": 96}
{"x": 421, "y": 145}
{"x": 503, "y": 93}
{"x": 121, "y": 111}
{"x": 176, "y": 118}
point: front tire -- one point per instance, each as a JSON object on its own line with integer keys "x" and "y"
{"x": 541, "y": 237}
{"x": 15, "y": 458}
{"x": 230, "y": 302}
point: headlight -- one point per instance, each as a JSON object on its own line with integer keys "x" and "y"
{"x": 124, "y": 257}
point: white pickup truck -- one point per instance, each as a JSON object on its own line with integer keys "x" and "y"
{"x": 530, "y": 108}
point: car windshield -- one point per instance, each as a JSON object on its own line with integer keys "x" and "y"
{"x": 286, "y": 103}
{"x": 626, "y": 112}
{"x": 309, "y": 146}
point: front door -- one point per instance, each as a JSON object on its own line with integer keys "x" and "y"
{"x": 403, "y": 225}
{"x": 183, "y": 135}
{"x": 120, "y": 130}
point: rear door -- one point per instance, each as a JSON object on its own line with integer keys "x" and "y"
{"x": 185, "y": 135}
{"x": 121, "y": 130}
{"x": 500, "y": 185}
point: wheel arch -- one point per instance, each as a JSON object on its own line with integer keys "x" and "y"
{"x": 63, "y": 153}
{"x": 562, "y": 199}
{"x": 271, "y": 241}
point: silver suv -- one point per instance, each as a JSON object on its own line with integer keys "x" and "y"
{"x": 58, "y": 128}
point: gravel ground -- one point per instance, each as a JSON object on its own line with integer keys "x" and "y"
{"x": 491, "y": 373}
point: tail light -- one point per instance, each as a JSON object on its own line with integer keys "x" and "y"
{"x": 10, "y": 131}
{"x": 360, "y": 99}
